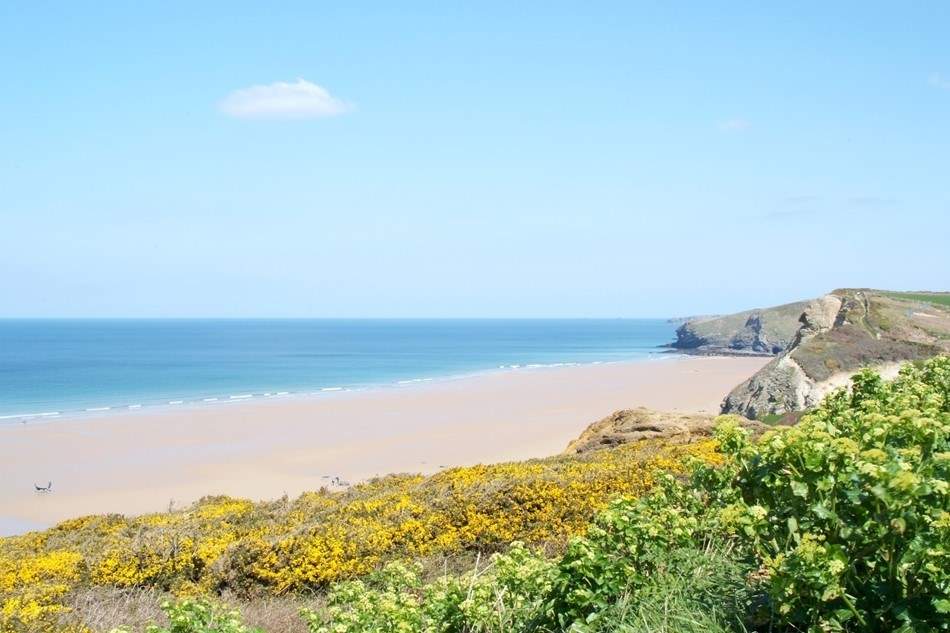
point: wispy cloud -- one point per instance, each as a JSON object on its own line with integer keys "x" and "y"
{"x": 737, "y": 124}
{"x": 282, "y": 100}
{"x": 938, "y": 80}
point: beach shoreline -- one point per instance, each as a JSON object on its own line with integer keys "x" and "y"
{"x": 185, "y": 404}
{"x": 144, "y": 460}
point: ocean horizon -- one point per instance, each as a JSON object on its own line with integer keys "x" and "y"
{"x": 55, "y": 368}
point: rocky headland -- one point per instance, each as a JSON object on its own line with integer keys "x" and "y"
{"x": 837, "y": 335}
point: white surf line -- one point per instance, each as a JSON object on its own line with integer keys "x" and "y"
{"x": 243, "y": 396}
{"x": 209, "y": 400}
{"x": 332, "y": 389}
{"x": 98, "y": 408}
{"x": 135, "y": 406}
{"x": 176, "y": 402}
{"x": 47, "y": 414}
{"x": 282, "y": 393}
{"x": 413, "y": 381}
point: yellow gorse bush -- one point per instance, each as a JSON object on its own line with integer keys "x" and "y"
{"x": 33, "y": 586}
{"x": 323, "y": 537}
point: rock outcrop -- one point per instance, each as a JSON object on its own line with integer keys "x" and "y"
{"x": 762, "y": 332}
{"x": 839, "y": 334}
{"x": 633, "y": 425}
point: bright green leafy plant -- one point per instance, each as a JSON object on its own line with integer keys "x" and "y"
{"x": 843, "y": 522}
{"x": 508, "y": 594}
{"x": 848, "y": 511}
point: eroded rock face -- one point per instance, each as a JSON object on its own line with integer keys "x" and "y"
{"x": 756, "y": 337}
{"x": 778, "y": 387}
{"x": 819, "y": 315}
{"x": 839, "y": 334}
{"x": 762, "y": 332}
{"x": 782, "y": 385}
{"x": 633, "y": 425}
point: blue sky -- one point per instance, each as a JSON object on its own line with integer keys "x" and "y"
{"x": 546, "y": 159}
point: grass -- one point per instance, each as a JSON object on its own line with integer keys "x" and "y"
{"x": 695, "y": 591}
{"x": 771, "y": 418}
{"x": 936, "y": 298}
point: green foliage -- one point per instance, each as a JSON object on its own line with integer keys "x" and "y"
{"x": 843, "y": 521}
{"x": 507, "y": 595}
{"x": 771, "y": 418}
{"x": 622, "y": 550}
{"x": 387, "y": 601}
{"x": 691, "y": 591}
{"x": 848, "y": 511}
{"x": 686, "y": 590}
{"x": 198, "y": 616}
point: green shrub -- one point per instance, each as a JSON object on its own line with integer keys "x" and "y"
{"x": 507, "y": 595}
{"x": 848, "y": 511}
{"x": 387, "y": 601}
{"x": 623, "y": 548}
{"x": 844, "y": 519}
{"x": 693, "y": 591}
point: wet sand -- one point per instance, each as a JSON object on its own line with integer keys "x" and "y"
{"x": 142, "y": 461}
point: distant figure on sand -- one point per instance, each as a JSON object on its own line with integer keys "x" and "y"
{"x": 47, "y": 488}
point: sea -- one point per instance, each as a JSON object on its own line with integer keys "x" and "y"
{"x": 52, "y": 369}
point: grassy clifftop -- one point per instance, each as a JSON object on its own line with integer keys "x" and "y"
{"x": 874, "y": 327}
{"x": 838, "y": 334}
{"x": 938, "y": 298}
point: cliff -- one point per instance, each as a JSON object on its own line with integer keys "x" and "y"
{"x": 839, "y": 334}
{"x": 763, "y": 331}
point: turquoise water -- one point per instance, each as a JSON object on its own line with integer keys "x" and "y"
{"x": 52, "y": 368}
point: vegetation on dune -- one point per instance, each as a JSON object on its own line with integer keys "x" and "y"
{"x": 841, "y": 523}
{"x": 843, "y": 520}
{"x": 286, "y": 546}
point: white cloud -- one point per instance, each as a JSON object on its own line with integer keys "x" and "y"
{"x": 734, "y": 125}
{"x": 940, "y": 81}
{"x": 281, "y": 100}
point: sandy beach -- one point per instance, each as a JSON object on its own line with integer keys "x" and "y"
{"x": 143, "y": 461}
